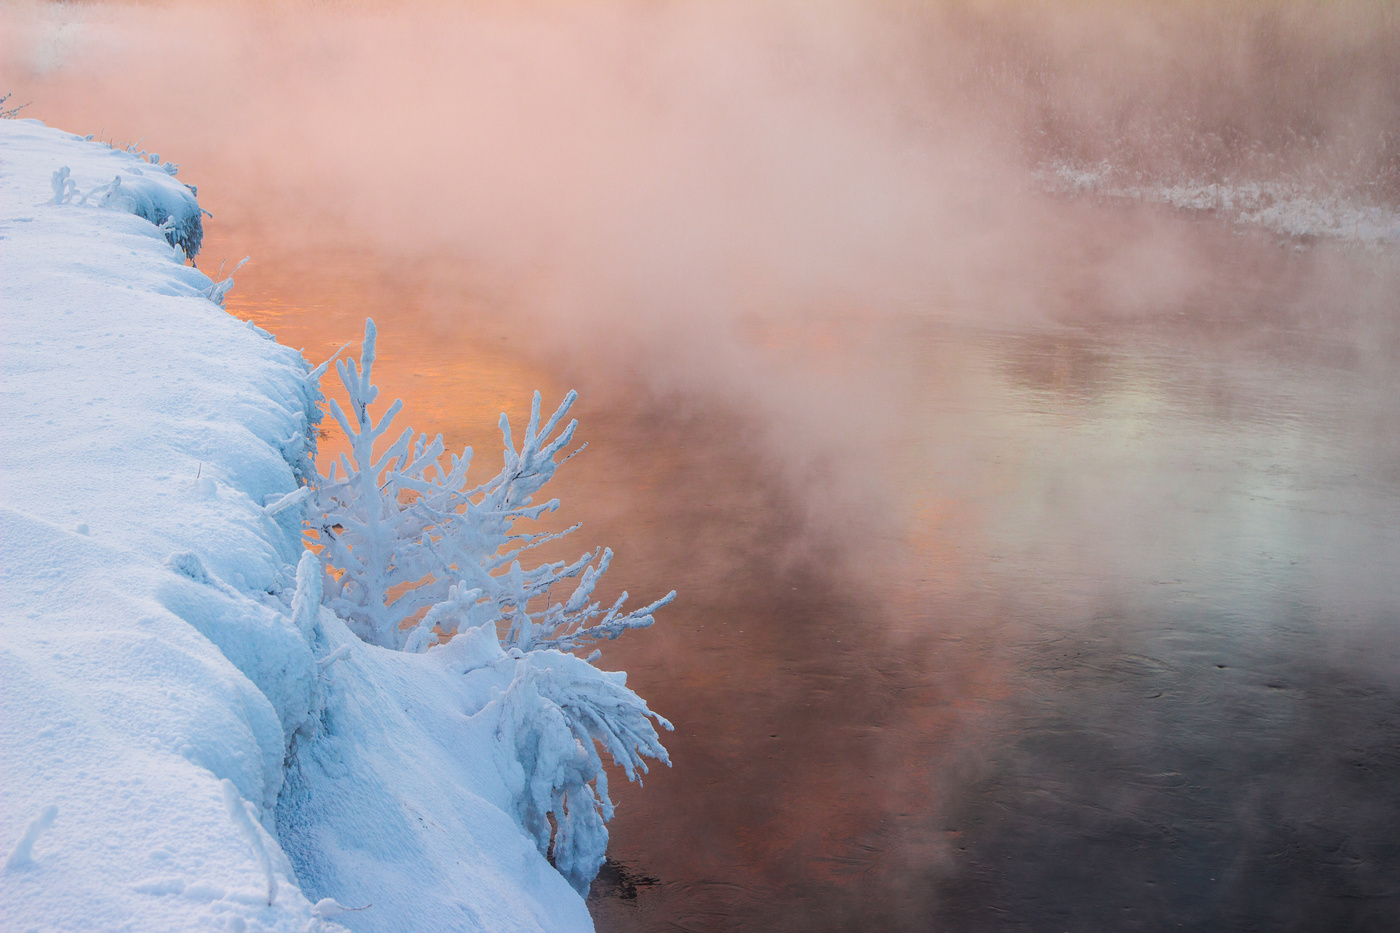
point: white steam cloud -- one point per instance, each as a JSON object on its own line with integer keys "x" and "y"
{"x": 659, "y": 185}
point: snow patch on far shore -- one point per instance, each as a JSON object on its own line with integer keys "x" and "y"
{"x": 1281, "y": 207}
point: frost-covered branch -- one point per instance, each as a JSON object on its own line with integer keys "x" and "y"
{"x": 9, "y": 113}
{"x": 554, "y": 716}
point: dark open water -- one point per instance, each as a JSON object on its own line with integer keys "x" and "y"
{"x": 1125, "y": 655}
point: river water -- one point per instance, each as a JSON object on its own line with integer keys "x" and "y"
{"x": 1115, "y": 648}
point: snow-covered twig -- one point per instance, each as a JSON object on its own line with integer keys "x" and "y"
{"x": 334, "y": 656}
{"x": 219, "y": 290}
{"x": 291, "y": 499}
{"x": 65, "y": 189}
{"x": 9, "y": 113}
{"x": 306, "y": 599}
{"x": 328, "y": 907}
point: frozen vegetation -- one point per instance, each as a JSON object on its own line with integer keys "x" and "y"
{"x": 206, "y": 725}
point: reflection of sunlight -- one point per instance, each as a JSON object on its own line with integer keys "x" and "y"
{"x": 453, "y": 379}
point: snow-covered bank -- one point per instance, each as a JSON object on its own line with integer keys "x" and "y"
{"x": 139, "y": 422}
{"x": 163, "y": 676}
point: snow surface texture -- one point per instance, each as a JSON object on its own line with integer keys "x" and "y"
{"x": 183, "y": 722}
{"x": 1283, "y": 208}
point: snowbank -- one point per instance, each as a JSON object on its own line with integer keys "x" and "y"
{"x": 188, "y": 741}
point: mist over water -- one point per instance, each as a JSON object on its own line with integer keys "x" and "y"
{"x": 1034, "y": 547}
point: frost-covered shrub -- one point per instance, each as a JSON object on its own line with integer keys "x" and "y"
{"x": 169, "y": 205}
{"x": 412, "y": 549}
{"x": 175, "y": 212}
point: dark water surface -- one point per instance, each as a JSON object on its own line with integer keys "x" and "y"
{"x": 1125, "y": 655}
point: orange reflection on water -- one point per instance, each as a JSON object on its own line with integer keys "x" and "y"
{"x": 453, "y": 380}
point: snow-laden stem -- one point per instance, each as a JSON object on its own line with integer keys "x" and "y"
{"x": 556, "y": 713}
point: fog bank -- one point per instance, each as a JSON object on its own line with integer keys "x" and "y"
{"x": 675, "y": 189}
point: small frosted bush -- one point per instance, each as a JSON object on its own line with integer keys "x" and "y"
{"x": 413, "y": 552}
{"x": 170, "y": 206}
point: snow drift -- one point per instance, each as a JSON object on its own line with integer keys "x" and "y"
{"x": 139, "y": 572}
{"x": 190, "y": 740}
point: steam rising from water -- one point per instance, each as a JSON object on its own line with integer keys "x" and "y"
{"x": 650, "y": 186}
{"x": 751, "y": 204}
{"x": 668, "y": 169}
{"x": 685, "y": 192}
